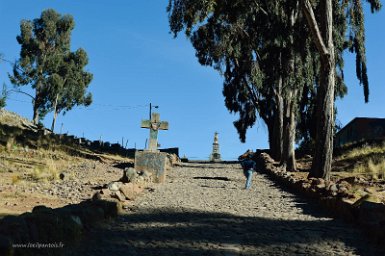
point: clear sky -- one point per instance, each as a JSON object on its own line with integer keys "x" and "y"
{"x": 136, "y": 61}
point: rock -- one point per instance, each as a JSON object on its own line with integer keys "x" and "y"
{"x": 129, "y": 175}
{"x": 131, "y": 190}
{"x": 114, "y": 186}
{"x": 369, "y": 190}
{"x": 56, "y": 226}
{"x": 344, "y": 184}
{"x": 105, "y": 192}
{"x": 350, "y": 180}
{"x": 321, "y": 186}
{"x": 118, "y": 195}
{"x": 319, "y": 181}
{"x": 367, "y": 198}
{"x": 77, "y": 220}
{"x": 146, "y": 174}
{"x": 111, "y": 208}
{"x": 333, "y": 189}
{"x": 97, "y": 196}
{"x": 41, "y": 208}
{"x": 343, "y": 191}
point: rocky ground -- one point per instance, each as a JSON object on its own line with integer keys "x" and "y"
{"x": 27, "y": 180}
{"x": 202, "y": 209}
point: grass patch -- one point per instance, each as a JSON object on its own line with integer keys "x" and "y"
{"x": 367, "y": 160}
{"x": 16, "y": 179}
{"x": 374, "y": 167}
{"x": 362, "y": 152}
{"x": 46, "y": 172}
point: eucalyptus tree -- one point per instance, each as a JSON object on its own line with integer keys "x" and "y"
{"x": 43, "y": 42}
{"x": 257, "y": 46}
{"x": 320, "y": 16}
{"x": 68, "y": 84}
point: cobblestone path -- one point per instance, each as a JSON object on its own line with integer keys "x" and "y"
{"x": 202, "y": 209}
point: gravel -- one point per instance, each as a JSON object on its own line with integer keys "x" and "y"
{"x": 199, "y": 212}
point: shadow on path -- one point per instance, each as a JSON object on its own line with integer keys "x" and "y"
{"x": 170, "y": 232}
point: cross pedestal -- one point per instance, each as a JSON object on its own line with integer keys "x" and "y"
{"x": 151, "y": 160}
{"x": 154, "y": 125}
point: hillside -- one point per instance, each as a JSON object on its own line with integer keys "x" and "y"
{"x": 54, "y": 176}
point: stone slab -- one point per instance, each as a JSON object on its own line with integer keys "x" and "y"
{"x": 153, "y": 162}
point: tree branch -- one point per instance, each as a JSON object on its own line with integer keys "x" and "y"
{"x": 312, "y": 22}
{"x": 19, "y": 91}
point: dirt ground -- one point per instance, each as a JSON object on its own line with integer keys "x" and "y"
{"x": 203, "y": 209}
{"x": 54, "y": 179}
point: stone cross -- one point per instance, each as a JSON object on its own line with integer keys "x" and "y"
{"x": 154, "y": 125}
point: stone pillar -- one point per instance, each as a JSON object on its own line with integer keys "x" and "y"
{"x": 215, "y": 155}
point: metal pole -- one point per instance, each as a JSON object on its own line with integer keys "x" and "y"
{"x": 150, "y": 111}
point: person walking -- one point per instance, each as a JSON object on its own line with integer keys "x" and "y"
{"x": 248, "y": 166}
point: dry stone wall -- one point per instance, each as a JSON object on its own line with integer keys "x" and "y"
{"x": 367, "y": 212}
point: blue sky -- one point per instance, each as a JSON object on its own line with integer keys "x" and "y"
{"x": 136, "y": 61}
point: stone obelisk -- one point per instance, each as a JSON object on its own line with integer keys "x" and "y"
{"x": 215, "y": 155}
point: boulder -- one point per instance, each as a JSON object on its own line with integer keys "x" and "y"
{"x": 129, "y": 175}
{"x": 111, "y": 208}
{"x": 131, "y": 190}
{"x": 53, "y": 226}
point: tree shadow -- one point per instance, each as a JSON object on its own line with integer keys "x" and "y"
{"x": 168, "y": 231}
{"x": 124, "y": 165}
{"x": 212, "y": 178}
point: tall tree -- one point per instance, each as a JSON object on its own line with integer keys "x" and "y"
{"x": 68, "y": 84}
{"x": 43, "y": 42}
{"x": 257, "y": 47}
{"x": 320, "y": 21}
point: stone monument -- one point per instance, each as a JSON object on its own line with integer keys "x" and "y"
{"x": 151, "y": 159}
{"x": 154, "y": 125}
{"x": 215, "y": 155}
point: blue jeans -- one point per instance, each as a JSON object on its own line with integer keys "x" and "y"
{"x": 249, "y": 177}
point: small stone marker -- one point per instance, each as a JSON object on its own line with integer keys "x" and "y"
{"x": 154, "y": 125}
{"x": 151, "y": 160}
{"x": 215, "y": 155}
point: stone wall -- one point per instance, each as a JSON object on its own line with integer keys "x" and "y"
{"x": 42, "y": 138}
{"x": 45, "y": 226}
{"x": 367, "y": 212}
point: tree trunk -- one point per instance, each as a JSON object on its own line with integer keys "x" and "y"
{"x": 54, "y": 113}
{"x": 272, "y": 140}
{"x": 36, "y": 104}
{"x": 291, "y": 163}
{"x": 321, "y": 165}
{"x": 288, "y": 162}
{"x": 290, "y": 103}
{"x": 278, "y": 123}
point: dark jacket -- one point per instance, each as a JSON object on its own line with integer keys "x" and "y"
{"x": 248, "y": 164}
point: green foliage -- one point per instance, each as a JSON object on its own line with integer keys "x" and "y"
{"x": 49, "y": 67}
{"x": 3, "y": 96}
{"x": 252, "y": 44}
{"x": 69, "y": 83}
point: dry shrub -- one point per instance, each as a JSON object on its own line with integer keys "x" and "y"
{"x": 375, "y": 167}
{"x": 16, "y": 178}
{"x": 46, "y": 172}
